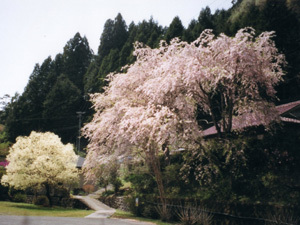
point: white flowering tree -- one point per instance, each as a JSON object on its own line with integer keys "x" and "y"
{"x": 151, "y": 108}
{"x": 40, "y": 160}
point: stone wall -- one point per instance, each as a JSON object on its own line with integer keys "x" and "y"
{"x": 116, "y": 202}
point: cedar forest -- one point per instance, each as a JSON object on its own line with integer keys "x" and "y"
{"x": 59, "y": 88}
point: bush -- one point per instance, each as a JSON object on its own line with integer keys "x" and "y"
{"x": 3, "y": 193}
{"x": 150, "y": 211}
{"x": 61, "y": 192}
{"x": 193, "y": 215}
{"x": 281, "y": 216}
{"x": 42, "y": 200}
{"x": 117, "y": 183}
{"x": 78, "y": 191}
{"x": 107, "y": 193}
{"x": 19, "y": 197}
{"x": 165, "y": 214}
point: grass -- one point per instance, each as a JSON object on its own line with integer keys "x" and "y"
{"x": 23, "y": 209}
{"x": 127, "y": 215}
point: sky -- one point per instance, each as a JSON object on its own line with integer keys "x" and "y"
{"x": 32, "y": 30}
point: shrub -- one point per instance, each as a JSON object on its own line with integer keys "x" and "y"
{"x": 281, "y": 216}
{"x": 4, "y": 193}
{"x": 108, "y": 193}
{"x": 42, "y": 200}
{"x": 165, "y": 214}
{"x": 78, "y": 191}
{"x": 149, "y": 211}
{"x": 19, "y": 197}
{"x": 61, "y": 192}
{"x": 193, "y": 215}
{"x": 117, "y": 183}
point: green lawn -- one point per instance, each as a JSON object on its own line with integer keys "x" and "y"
{"x": 127, "y": 215}
{"x": 23, "y": 209}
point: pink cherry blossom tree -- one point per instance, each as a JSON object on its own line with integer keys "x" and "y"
{"x": 151, "y": 107}
{"x": 231, "y": 77}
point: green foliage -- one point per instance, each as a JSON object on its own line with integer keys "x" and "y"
{"x": 42, "y": 200}
{"x": 194, "y": 215}
{"x": 116, "y": 47}
{"x": 277, "y": 16}
{"x": 141, "y": 180}
{"x": 281, "y": 216}
{"x": 63, "y": 112}
{"x": 109, "y": 174}
{"x": 19, "y": 197}
{"x": 4, "y": 144}
{"x": 88, "y": 72}
{"x": 175, "y": 29}
{"x": 3, "y": 190}
{"x": 223, "y": 169}
{"x": 231, "y": 169}
{"x": 30, "y": 111}
{"x": 76, "y": 59}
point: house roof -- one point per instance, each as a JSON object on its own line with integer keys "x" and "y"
{"x": 289, "y": 112}
{"x": 286, "y": 108}
{"x": 80, "y": 162}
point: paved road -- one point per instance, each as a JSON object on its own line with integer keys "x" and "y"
{"x": 41, "y": 220}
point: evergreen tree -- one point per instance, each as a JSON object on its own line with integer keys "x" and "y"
{"x": 275, "y": 16}
{"x": 120, "y": 33}
{"x": 148, "y": 32}
{"x": 175, "y": 29}
{"x": 26, "y": 113}
{"x": 287, "y": 27}
{"x": 91, "y": 80}
{"x": 109, "y": 64}
{"x": 58, "y": 65}
{"x": 76, "y": 59}
{"x": 205, "y": 20}
{"x": 13, "y": 113}
{"x": 113, "y": 38}
{"x": 221, "y": 23}
{"x": 88, "y": 72}
{"x": 106, "y": 39}
{"x": 189, "y": 34}
{"x": 195, "y": 28}
{"x": 60, "y": 107}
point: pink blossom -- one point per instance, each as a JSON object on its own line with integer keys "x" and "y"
{"x": 4, "y": 163}
{"x": 154, "y": 102}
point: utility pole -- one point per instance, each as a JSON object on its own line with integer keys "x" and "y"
{"x": 79, "y": 128}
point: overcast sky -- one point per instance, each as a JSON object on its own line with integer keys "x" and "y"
{"x": 32, "y": 30}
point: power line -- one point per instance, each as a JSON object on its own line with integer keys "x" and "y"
{"x": 79, "y": 128}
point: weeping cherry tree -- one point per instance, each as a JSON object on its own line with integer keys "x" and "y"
{"x": 150, "y": 108}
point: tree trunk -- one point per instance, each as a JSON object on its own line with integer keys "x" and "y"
{"x": 48, "y": 193}
{"x": 154, "y": 163}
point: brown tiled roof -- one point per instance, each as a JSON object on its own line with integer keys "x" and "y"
{"x": 282, "y": 110}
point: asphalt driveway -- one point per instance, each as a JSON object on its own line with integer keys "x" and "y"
{"x": 41, "y": 220}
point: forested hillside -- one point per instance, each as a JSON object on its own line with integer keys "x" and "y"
{"x": 59, "y": 87}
